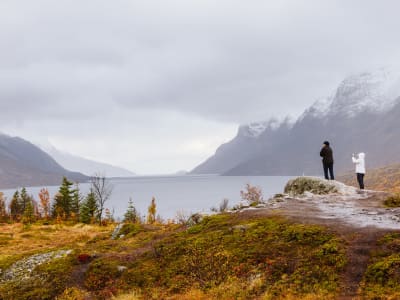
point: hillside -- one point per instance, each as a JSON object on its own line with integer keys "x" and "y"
{"x": 271, "y": 252}
{"x": 381, "y": 179}
{"x": 24, "y": 164}
{"x": 361, "y": 116}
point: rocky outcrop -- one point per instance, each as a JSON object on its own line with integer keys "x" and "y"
{"x": 23, "y": 269}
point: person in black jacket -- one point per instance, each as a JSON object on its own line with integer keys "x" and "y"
{"x": 327, "y": 160}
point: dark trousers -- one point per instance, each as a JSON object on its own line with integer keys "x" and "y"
{"x": 360, "y": 179}
{"x": 328, "y": 167}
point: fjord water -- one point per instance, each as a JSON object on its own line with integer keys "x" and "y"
{"x": 187, "y": 194}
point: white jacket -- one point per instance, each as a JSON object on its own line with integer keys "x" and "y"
{"x": 360, "y": 163}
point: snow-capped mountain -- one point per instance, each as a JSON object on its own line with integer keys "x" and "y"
{"x": 362, "y": 114}
{"x": 255, "y": 129}
{"x": 376, "y": 91}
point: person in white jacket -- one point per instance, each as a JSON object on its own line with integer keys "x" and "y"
{"x": 360, "y": 168}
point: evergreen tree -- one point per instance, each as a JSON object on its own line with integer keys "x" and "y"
{"x": 131, "y": 215}
{"x": 63, "y": 200}
{"x": 76, "y": 202}
{"x": 109, "y": 216}
{"x": 15, "y": 207}
{"x": 23, "y": 199}
{"x": 89, "y": 209}
{"x": 28, "y": 216}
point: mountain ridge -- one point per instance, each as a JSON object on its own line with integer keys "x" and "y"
{"x": 24, "y": 164}
{"x": 361, "y": 115}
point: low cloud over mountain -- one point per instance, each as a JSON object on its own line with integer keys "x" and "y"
{"x": 362, "y": 115}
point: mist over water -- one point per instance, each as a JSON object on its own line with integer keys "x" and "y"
{"x": 188, "y": 194}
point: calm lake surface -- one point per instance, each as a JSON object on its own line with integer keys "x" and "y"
{"x": 187, "y": 194}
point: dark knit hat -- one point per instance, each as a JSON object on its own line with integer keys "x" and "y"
{"x": 326, "y": 143}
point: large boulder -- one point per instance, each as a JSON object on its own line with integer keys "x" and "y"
{"x": 301, "y": 185}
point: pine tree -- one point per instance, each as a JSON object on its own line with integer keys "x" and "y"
{"x": 131, "y": 215}
{"x": 89, "y": 209}
{"x": 63, "y": 200}
{"x": 23, "y": 199}
{"x": 15, "y": 207}
{"x": 152, "y": 210}
{"x": 28, "y": 216}
{"x": 76, "y": 202}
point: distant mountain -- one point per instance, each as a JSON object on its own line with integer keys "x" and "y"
{"x": 24, "y": 164}
{"x": 86, "y": 166}
{"x": 362, "y": 115}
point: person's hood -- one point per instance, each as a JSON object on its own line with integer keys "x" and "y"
{"x": 361, "y": 155}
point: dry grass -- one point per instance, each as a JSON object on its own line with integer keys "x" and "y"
{"x": 381, "y": 179}
{"x": 37, "y": 238}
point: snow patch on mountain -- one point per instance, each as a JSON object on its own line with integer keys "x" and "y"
{"x": 255, "y": 129}
{"x": 376, "y": 91}
{"x": 318, "y": 109}
{"x": 372, "y": 91}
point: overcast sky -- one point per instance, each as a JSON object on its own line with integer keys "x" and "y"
{"x": 156, "y": 85}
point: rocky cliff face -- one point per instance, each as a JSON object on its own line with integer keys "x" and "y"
{"x": 362, "y": 115}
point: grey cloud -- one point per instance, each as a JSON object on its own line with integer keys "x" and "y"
{"x": 224, "y": 60}
{"x": 79, "y": 64}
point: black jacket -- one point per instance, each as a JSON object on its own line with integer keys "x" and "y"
{"x": 327, "y": 155}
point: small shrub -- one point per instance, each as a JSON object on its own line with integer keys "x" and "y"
{"x": 252, "y": 194}
{"x": 223, "y": 206}
{"x": 130, "y": 229}
{"x": 84, "y": 258}
{"x": 393, "y": 201}
{"x": 101, "y": 274}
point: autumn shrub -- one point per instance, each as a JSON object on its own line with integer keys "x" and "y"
{"x": 382, "y": 277}
{"x": 252, "y": 194}
{"x": 101, "y": 277}
{"x": 74, "y": 293}
{"x": 393, "y": 200}
{"x": 84, "y": 258}
{"x": 270, "y": 256}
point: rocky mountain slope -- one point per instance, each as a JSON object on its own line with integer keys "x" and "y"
{"x": 24, "y": 164}
{"x": 362, "y": 115}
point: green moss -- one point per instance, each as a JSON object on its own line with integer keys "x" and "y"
{"x": 212, "y": 253}
{"x": 130, "y": 229}
{"x": 382, "y": 277}
{"x": 47, "y": 281}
